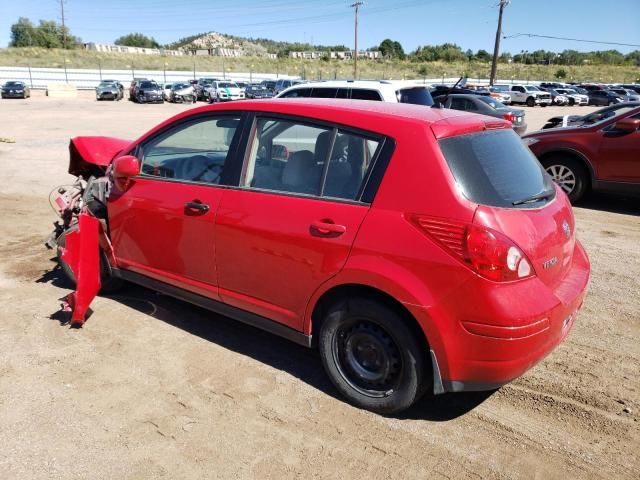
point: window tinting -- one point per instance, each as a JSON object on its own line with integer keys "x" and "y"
{"x": 297, "y": 93}
{"x": 416, "y": 96}
{"x": 324, "y": 92}
{"x": 495, "y": 168}
{"x": 364, "y": 94}
{"x": 194, "y": 152}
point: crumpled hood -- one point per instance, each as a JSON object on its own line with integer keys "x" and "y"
{"x": 92, "y": 155}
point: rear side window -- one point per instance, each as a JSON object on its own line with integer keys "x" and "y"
{"x": 495, "y": 168}
{"x": 364, "y": 94}
{"x": 324, "y": 92}
{"x": 297, "y": 93}
{"x": 416, "y": 96}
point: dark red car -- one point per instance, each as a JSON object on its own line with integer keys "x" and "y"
{"x": 602, "y": 154}
{"x": 418, "y": 249}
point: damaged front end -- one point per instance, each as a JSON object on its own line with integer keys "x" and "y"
{"x": 80, "y": 237}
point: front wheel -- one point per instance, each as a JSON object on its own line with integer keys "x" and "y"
{"x": 371, "y": 356}
{"x": 531, "y": 102}
{"x": 569, "y": 174}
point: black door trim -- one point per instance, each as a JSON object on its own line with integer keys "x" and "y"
{"x": 240, "y": 315}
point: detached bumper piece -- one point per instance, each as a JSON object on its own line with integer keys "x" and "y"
{"x": 82, "y": 254}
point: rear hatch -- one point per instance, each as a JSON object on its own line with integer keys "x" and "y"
{"x": 515, "y": 196}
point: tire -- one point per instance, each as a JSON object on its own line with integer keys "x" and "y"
{"x": 572, "y": 102}
{"x": 531, "y": 102}
{"x": 360, "y": 331}
{"x": 108, "y": 282}
{"x": 569, "y": 174}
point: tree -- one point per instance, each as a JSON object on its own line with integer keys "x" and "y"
{"x": 22, "y": 33}
{"x": 390, "y": 49}
{"x": 47, "y": 34}
{"x": 561, "y": 73}
{"x": 483, "y": 56}
{"x": 137, "y": 40}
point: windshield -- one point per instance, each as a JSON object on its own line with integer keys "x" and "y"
{"x": 227, "y": 85}
{"x": 605, "y": 114}
{"x": 492, "y": 102}
{"x": 179, "y": 86}
{"x": 14, "y": 84}
{"x": 532, "y": 89}
{"x": 416, "y": 96}
{"x": 148, "y": 85}
{"x": 495, "y": 168}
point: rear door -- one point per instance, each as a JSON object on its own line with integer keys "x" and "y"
{"x": 290, "y": 225}
{"x": 162, "y": 222}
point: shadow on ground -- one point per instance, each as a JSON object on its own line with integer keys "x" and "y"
{"x": 298, "y": 361}
{"x": 611, "y": 203}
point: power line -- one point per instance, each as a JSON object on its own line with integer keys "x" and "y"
{"x": 570, "y": 39}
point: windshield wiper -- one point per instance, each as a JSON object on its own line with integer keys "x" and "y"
{"x": 534, "y": 198}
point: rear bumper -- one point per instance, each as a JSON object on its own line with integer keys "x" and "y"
{"x": 527, "y": 321}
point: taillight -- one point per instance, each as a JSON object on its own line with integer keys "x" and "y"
{"x": 487, "y": 252}
{"x": 509, "y": 116}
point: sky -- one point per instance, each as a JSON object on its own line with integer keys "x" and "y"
{"x": 468, "y": 23}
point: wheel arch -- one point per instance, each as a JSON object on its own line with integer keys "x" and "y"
{"x": 575, "y": 155}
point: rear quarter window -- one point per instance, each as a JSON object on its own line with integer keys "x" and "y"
{"x": 495, "y": 168}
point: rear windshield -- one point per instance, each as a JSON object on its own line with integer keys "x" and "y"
{"x": 495, "y": 168}
{"x": 417, "y": 96}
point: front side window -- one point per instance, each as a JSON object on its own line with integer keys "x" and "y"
{"x": 364, "y": 94}
{"x": 195, "y": 152}
{"x": 294, "y": 157}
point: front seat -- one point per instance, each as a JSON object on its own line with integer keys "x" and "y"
{"x": 301, "y": 174}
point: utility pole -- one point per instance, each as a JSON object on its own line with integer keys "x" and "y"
{"x": 64, "y": 30}
{"x": 496, "y": 48}
{"x": 356, "y": 6}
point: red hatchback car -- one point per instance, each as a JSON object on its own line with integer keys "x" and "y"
{"x": 419, "y": 249}
{"x": 602, "y": 152}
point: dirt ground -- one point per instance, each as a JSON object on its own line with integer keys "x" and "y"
{"x": 154, "y": 388}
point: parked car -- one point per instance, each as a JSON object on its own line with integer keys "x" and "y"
{"x": 269, "y": 85}
{"x": 283, "y": 83}
{"x": 242, "y": 85}
{"x": 378, "y": 90}
{"x": 602, "y": 155}
{"x": 148, "y": 91}
{"x": 573, "y": 96}
{"x": 202, "y": 87}
{"x": 311, "y": 219}
{"x": 133, "y": 87}
{"x": 166, "y": 91}
{"x": 438, "y": 90}
{"x": 590, "y": 87}
{"x": 15, "y": 89}
{"x": 109, "y": 90}
{"x": 558, "y": 98}
{"x": 528, "y": 94}
{"x": 224, "y": 91}
{"x": 483, "y": 105}
{"x": 257, "y": 90}
{"x": 182, "y": 93}
{"x": 588, "y": 119}
{"x": 499, "y": 95}
{"x": 603, "y": 97}
{"x": 632, "y": 86}
{"x": 626, "y": 94}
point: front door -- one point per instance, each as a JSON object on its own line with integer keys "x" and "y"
{"x": 619, "y": 155}
{"x": 162, "y": 222}
{"x": 291, "y": 224}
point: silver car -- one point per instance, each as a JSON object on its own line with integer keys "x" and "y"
{"x": 109, "y": 90}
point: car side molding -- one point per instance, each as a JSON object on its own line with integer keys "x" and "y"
{"x": 215, "y": 306}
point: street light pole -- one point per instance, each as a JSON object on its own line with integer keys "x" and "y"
{"x": 356, "y": 6}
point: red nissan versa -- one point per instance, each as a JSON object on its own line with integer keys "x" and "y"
{"x": 419, "y": 249}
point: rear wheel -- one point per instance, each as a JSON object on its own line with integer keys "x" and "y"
{"x": 531, "y": 102}
{"x": 108, "y": 282}
{"x": 371, "y": 356}
{"x": 569, "y": 174}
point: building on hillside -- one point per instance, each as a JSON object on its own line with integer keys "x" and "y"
{"x": 346, "y": 55}
{"x": 109, "y": 48}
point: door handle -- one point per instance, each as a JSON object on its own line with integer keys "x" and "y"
{"x": 197, "y": 205}
{"x": 327, "y": 228}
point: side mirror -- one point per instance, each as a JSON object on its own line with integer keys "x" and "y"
{"x": 126, "y": 166}
{"x": 627, "y": 125}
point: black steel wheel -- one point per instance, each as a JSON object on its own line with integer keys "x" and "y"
{"x": 372, "y": 356}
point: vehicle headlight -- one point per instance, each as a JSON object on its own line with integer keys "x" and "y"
{"x": 529, "y": 141}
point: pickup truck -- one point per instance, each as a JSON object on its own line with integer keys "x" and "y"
{"x": 528, "y": 94}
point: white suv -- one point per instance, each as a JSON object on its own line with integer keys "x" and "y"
{"x": 380, "y": 90}
{"x": 527, "y": 94}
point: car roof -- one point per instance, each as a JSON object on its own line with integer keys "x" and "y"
{"x": 360, "y": 84}
{"x": 369, "y": 115}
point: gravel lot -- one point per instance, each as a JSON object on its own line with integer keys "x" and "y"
{"x": 155, "y": 388}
